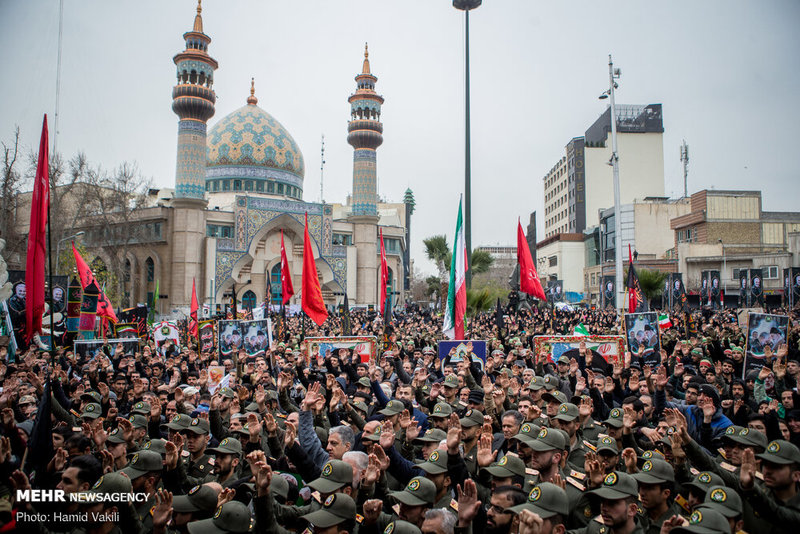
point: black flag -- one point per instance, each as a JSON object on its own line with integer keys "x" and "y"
{"x": 636, "y": 301}
{"x": 347, "y": 327}
{"x": 498, "y": 318}
{"x": 40, "y": 445}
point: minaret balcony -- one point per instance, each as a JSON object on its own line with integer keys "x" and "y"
{"x": 364, "y": 139}
{"x": 361, "y": 124}
{"x": 190, "y": 107}
{"x": 194, "y": 90}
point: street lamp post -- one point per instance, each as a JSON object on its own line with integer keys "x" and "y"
{"x": 724, "y": 270}
{"x": 614, "y": 74}
{"x": 465, "y": 6}
{"x": 58, "y": 247}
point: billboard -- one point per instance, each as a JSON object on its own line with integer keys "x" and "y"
{"x": 610, "y": 348}
{"x": 756, "y": 288}
{"x": 366, "y": 347}
{"x": 763, "y": 330}
{"x": 642, "y": 334}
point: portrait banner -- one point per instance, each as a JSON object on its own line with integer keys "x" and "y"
{"x": 366, "y": 347}
{"x": 255, "y": 337}
{"x": 164, "y": 333}
{"x": 643, "y": 336}
{"x": 763, "y": 330}
{"x": 610, "y": 348}
{"x": 88, "y": 349}
{"x": 476, "y": 347}
{"x": 229, "y": 338}
{"x": 206, "y": 330}
{"x": 756, "y": 288}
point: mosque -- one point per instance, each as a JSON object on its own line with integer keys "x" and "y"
{"x": 238, "y": 184}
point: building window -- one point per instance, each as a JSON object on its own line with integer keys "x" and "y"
{"x": 259, "y": 186}
{"x": 237, "y": 185}
{"x": 735, "y": 274}
{"x": 771, "y": 272}
{"x": 553, "y": 261}
{"x": 280, "y": 189}
{"x": 342, "y": 239}
{"x": 592, "y": 278}
{"x": 248, "y": 185}
{"x": 150, "y": 266}
{"x": 276, "y": 287}
{"x": 226, "y": 185}
{"x": 216, "y": 185}
{"x": 270, "y": 187}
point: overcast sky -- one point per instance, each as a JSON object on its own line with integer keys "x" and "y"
{"x": 726, "y": 73}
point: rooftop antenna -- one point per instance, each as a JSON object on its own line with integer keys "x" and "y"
{"x": 322, "y": 169}
{"x": 685, "y": 160}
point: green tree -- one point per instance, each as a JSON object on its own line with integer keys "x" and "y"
{"x": 437, "y": 250}
{"x": 479, "y": 300}
{"x": 652, "y": 282}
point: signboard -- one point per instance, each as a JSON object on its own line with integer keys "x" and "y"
{"x": 610, "y": 348}
{"x": 608, "y": 292}
{"x": 365, "y": 346}
{"x": 756, "y": 288}
{"x": 164, "y": 333}
{"x": 462, "y": 349}
{"x": 763, "y": 330}
{"x": 257, "y": 336}
{"x": 642, "y": 333}
{"x": 229, "y": 338}
{"x": 206, "y": 331}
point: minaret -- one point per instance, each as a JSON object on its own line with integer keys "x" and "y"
{"x": 365, "y": 135}
{"x": 193, "y": 101}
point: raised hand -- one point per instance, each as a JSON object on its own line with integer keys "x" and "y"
{"x": 372, "y": 510}
{"x": 413, "y": 430}
{"x": 373, "y": 472}
{"x": 162, "y": 511}
{"x": 387, "y": 436}
{"x": 585, "y": 409}
{"x": 468, "y": 503}
{"x": 530, "y": 523}
{"x": 747, "y": 470}
{"x": 270, "y": 424}
{"x": 594, "y": 469}
{"x": 453, "y": 434}
{"x": 672, "y": 522}
{"x": 380, "y": 456}
{"x": 290, "y": 435}
{"x": 559, "y": 481}
{"x": 629, "y": 459}
{"x": 171, "y": 456}
{"x": 485, "y": 454}
{"x": 263, "y": 475}
{"x": 225, "y": 496}
{"x": 405, "y": 419}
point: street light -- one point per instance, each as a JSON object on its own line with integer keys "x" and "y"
{"x": 58, "y": 247}
{"x": 465, "y": 6}
{"x": 614, "y": 74}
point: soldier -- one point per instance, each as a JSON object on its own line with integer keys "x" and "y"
{"x": 227, "y": 456}
{"x": 778, "y": 498}
{"x": 550, "y": 504}
{"x": 656, "y": 486}
{"x": 200, "y": 503}
{"x": 338, "y": 514}
{"x": 198, "y": 463}
{"x": 144, "y": 471}
{"x": 230, "y": 517}
{"x": 618, "y": 495}
{"x": 728, "y": 503}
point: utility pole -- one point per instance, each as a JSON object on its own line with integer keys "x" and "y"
{"x": 322, "y": 169}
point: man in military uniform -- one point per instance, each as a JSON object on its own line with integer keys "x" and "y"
{"x": 440, "y": 415}
{"x": 778, "y": 498}
{"x": 549, "y": 502}
{"x": 436, "y": 470}
{"x": 656, "y": 487}
{"x": 618, "y": 495}
{"x": 232, "y": 516}
{"x": 200, "y": 503}
{"x": 470, "y": 431}
{"x": 567, "y": 420}
{"x": 144, "y": 471}
{"x": 198, "y": 464}
{"x": 227, "y": 456}
{"x": 338, "y": 511}
{"x": 728, "y": 503}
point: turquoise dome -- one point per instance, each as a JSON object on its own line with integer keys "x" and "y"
{"x": 250, "y": 150}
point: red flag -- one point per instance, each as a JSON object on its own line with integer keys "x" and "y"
{"x": 636, "y": 301}
{"x": 287, "y": 289}
{"x": 104, "y": 308}
{"x": 312, "y": 302}
{"x": 528, "y": 279}
{"x": 37, "y": 234}
{"x": 384, "y": 275}
{"x": 193, "y": 325}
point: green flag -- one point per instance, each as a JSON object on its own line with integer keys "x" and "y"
{"x": 152, "y": 314}
{"x": 580, "y": 330}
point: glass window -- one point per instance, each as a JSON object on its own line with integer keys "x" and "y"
{"x": 275, "y": 284}
{"x": 280, "y": 189}
{"x": 259, "y": 185}
{"x": 226, "y": 185}
{"x": 248, "y": 185}
{"x": 771, "y": 272}
{"x": 150, "y": 267}
{"x": 270, "y": 187}
{"x": 237, "y": 185}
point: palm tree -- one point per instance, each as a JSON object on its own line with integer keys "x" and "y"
{"x": 480, "y": 261}
{"x": 437, "y": 250}
{"x": 652, "y": 283}
{"x": 478, "y": 300}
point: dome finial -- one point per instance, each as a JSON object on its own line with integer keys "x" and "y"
{"x": 252, "y": 100}
{"x": 198, "y": 20}
{"x": 365, "y": 69}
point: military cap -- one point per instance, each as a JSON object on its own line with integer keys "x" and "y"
{"x": 92, "y": 396}
{"x": 527, "y": 433}
{"x": 655, "y": 471}
{"x": 472, "y": 418}
{"x": 451, "y": 381}
{"x": 748, "y": 437}
{"x": 555, "y": 395}
{"x": 179, "y": 422}
{"x": 567, "y": 412}
{"x": 199, "y": 499}
{"x": 398, "y": 526}
{"x": 562, "y": 359}
{"x": 536, "y": 384}
{"x": 92, "y": 411}
{"x": 111, "y": 483}
{"x": 617, "y": 485}
{"x": 436, "y": 464}
{"x": 115, "y": 437}
{"x": 232, "y": 516}
{"x": 227, "y": 392}
{"x": 550, "y": 382}
{"x": 141, "y": 407}
{"x": 614, "y": 418}
{"x": 336, "y": 509}
{"x": 703, "y": 481}
{"x": 376, "y": 434}
{"x": 360, "y": 405}
{"x": 545, "y": 500}
{"x": 393, "y": 407}
{"x": 143, "y": 462}
{"x": 198, "y": 426}
{"x": 279, "y": 486}
{"x": 508, "y": 466}
{"x": 548, "y": 439}
{"x": 251, "y": 407}
{"x": 138, "y": 420}
{"x": 26, "y": 399}
{"x": 781, "y": 452}
{"x": 364, "y": 382}
{"x": 419, "y": 491}
{"x": 607, "y": 444}
{"x": 228, "y": 446}
{"x": 432, "y": 435}
{"x": 705, "y": 521}
{"x": 724, "y": 500}
{"x": 271, "y": 395}
{"x": 335, "y": 475}
{"x": 156, "y": 445}
{"x": 442, "y": 409}
{"x": 428, "y": 350}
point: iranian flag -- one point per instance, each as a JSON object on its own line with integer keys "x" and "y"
{"x": 453, "y": 326}
{"x": 664, "y": 322}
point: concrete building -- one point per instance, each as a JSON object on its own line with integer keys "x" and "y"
{"x": 729, "y": 231}
{"x": 580, "y": 184}
{"x": 562, "y": 257}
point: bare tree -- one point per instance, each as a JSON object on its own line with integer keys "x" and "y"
{"x": 9, "y": 197}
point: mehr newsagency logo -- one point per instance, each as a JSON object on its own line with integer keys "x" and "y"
{"x": 55, "y": 495}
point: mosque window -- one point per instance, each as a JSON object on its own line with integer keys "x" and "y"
{"x": 342, "y": 239}
{"x": 226, "y": 185}
{"x": 237, "y": 185}
{"x": 275, "y": 284}
{"x": 216, "y": 185}
{"x": 259, "y": 185}
{"x": 270, "y": 187}
{"x": 150, "y": 267}
{"x": 248, "y": 185}
{"x": 280, "y": 189}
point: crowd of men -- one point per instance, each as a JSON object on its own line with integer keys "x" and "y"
{"x": 410, "y": 442}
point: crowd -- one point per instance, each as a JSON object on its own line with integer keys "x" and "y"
{"x": 409, "y": 442}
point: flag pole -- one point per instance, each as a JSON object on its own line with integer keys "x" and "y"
{"x": 50, "y": 277}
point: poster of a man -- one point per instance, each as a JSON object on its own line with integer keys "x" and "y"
{"x": 764, "y": 331}
{"x": 229, "y": 337}
{"x": 642, "y": 334}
